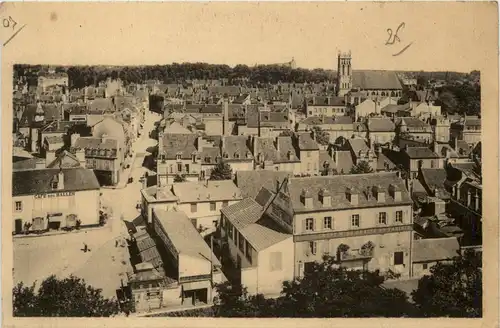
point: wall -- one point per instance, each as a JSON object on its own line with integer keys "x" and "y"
{"x": 203, "y": 211}
{"x": 190, "y": 265}
{"x": 249, "y": 279}
{"x": 383, "y": 254}
{"x": 241, "y": 166}
{"x": 85, "y": 204}
{"x": 382, "y": 137}
{"x": 213, "y": 126}
{"x": 269, "y": 281}
{"x": 309, "y": 164}
{"x": 313, "y": 110}
{"x": 341, "y": 220}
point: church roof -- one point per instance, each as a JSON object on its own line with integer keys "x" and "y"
{"x": 376, "y": 80}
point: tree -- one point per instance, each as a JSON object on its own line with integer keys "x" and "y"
{"x": 361, "y": 167}
{"x": 331, "y": 291}
{"x": 180, "y": 178}
{"x": 452, "y": 289}
{"x": 68, "y": 297}
{"x": 324, "y": 291}
{"x": 222, "y": 171}
{"x": 322, "y": 137}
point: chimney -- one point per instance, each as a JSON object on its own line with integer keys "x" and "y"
{"x": 80, "y": 154}
{"x": 476, "y": 202}
{"x": 278, "y": 144}
{"x": 74, "y": 138}
{"x": 435, "y": 146}
{"x": 353, "y": 196}
{"x": 40, "y": 164}
{"x": 160, "y": 141}
{"x": 325, "y": 197}
{"x": 469, "y": 197}
{"x": 60, "y": 179}
{"x": 225, "y": 111}
{"x": 456, "y": 144}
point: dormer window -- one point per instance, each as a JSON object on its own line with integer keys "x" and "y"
{"x": 178, "y": 157}
{"x": 193, "y": 157}
{"x": 353, "y": 196}
{"x": 236, "y": 155}
{"x": 207, "y": 159}
{"x": 225, "y": 155}
{"x": 379, "y": 194}
{"x": 395, "y": 192}
{"x": 55, "y": 184}
{"x": 325, "y": 197}
{"x": 289, "y": 155}
{"x": 248, "y": 154}
{"x": 306, "y": 199}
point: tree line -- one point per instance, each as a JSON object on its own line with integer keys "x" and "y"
{"x": 451, "y": 289}
{"x": 81, "y": 76}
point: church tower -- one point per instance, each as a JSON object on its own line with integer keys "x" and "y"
{"x": 344, "y": 73}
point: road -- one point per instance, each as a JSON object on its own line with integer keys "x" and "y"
{"x": 123, "y": 201}
{"x": 105, "y": 265}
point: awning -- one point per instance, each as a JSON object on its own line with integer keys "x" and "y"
{"x": 196, "y": 285}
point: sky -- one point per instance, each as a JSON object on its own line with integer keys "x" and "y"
{"x": 261, "y": 33}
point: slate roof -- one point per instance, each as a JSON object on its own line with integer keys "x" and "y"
{"x": 357, "y": 145}
{"x": 251, "y": 182}
{"x": 96, "y": 143}
{"x": 331, "y": 120}
{"x": 212, "y": 190}
{"x": 183, "y": 235}
{"x": 435, "y": 178}
{"x": 338, "y": 186}
{"x": 179, "y": 143}
{"x": 306, "y": 142}
{"x": 435, "y": 249}
{"x": 260, "y": 232}
{"x": 416, "y": 125}
{"x": 380, "y": 125}
{"x": 29, "y": 182}
{"x": 65, "y": 160}
{"x": 384, "y": 163}
{"x": 235, "y": 148}
{"x": 421, "y": 153}
{"x": 27, "y": 164}
{"x": 54, "y": 139}
{"x": 326, "y": 101}
{"x": 375, "y": 80}
{"x": 277, "y": 120}
{"x": 209, "y": 155}
{"x": 267, "y": 148}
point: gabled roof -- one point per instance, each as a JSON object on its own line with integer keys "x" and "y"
{"x": 260, "y": 232}
{"x": 183, "y": 235}
{"x": 65, "y": 160}
{"x": 376, "y": 80}
{"x": 251, "y": 182}
{"x": 183, "y": 144}
{"x": 30, "y": 182}
{"x": 235, "y": 148}
{"x": 210, "y": 191}
{"x": 306, "y": 142}
{"x": 421, "y": 153}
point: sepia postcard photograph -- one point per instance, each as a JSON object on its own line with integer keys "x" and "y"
{"x": 169, "y": 163}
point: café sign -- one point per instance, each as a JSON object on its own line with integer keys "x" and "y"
{"x": 57, "y": 194}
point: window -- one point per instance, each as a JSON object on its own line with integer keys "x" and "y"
{"x": 309, "y": 224}
{"x": 308, "y": 154}
{"x": 179, "y": 167}
{"x": 399, "y": 216}
{"x": 19, "y": 206}
{"x": 275, "y": 261}
{"x": 187, "y": 168}
{"x": 194, "y": 208}
{"x": 248, "y": 252}
{"x": 424, "y": 266}
{"x": 432, "y": 164}
{"x": 398, "y": 258}
{"x": 355, "y": 220}
{"x": 225, "y": 203}
{"x": 178, "y": 157}
{"x": 212, "y": 206}
{"x": 54, "y": 184}
{"x": 241, "y": 241}
{"x": 312, "y": 247}
{"x": 309, "y": 166}
{"x": 382, "y": 218}
{"x": 327, "y": 222}
{"x": 171, "y": 168}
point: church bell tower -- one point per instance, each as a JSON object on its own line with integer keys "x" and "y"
{"x": 344, "y": 73}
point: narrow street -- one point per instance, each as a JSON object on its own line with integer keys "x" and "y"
{"x": 122, "y": 201}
